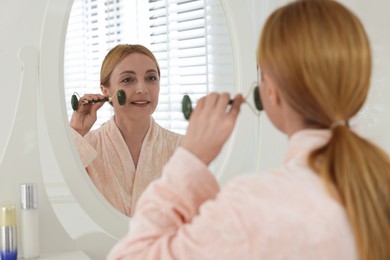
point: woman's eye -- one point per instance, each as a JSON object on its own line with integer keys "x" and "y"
{"x": 151, "y": 78}
{"x": 128, "y": 80}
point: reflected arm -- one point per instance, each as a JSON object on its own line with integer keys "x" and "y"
{"x": 85, "y": 150}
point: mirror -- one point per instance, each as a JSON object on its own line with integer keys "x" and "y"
{"x": 192, "y": 45}
{"x": 54, "y": 100}
{"x": 190, "y": 40}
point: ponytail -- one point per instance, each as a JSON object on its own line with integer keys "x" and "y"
{"x": 319, "y": 55}
{"x": 360, "y": 173}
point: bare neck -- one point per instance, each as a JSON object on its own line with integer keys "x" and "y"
{"x": 133, "y": 133}
{"x": 294, "y": 122}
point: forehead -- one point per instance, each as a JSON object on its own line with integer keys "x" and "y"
{"x": 136, "y": 62}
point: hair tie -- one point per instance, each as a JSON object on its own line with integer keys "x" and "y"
{"x": 339, "y": 123}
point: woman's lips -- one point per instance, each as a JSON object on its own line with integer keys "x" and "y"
{"x": 140, "y": 103}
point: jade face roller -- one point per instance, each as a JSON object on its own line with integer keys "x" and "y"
{"x": 120, "y": 94}
{"x": 186, "y": 104}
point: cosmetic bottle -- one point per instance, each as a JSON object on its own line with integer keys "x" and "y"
{"x": 8, "y": 233}
{"x": 29, "y": 219}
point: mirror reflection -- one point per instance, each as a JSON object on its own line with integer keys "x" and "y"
{"x": 153, "y": 53}
{"x": 128, "y": 151}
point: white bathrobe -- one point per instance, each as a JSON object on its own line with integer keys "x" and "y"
{"x": 108, "y": 161}
{"x": 286, "y": 213}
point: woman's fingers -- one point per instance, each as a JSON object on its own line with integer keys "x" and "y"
{"x": 210, "y": 125}
{"x": 90, "y": 102}
{"x": 91, "y": 98}
{"x": 83, "y": 119}
{"x": 213, "y": 104}
{"x": 235, "y": 108}
{"x": 222, "y": 103}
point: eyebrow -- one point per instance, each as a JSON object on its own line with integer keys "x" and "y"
{"x": 133, "y": 72}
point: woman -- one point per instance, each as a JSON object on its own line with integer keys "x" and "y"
{"x": 128, "y": 152}
{"x": 331, "y": 197}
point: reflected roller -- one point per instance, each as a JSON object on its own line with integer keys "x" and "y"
{"x": 74, "y": 101}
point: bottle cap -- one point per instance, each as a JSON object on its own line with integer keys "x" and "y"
{"x": 8, "y": 216}
{"x": 29, "y": 196}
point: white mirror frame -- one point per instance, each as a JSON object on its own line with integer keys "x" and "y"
{"x": 52, "y": 92}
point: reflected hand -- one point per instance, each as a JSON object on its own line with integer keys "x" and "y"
{"x": 83, "y": 119}
{"x": 210, "y": 125}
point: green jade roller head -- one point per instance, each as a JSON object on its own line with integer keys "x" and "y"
{"x": 121, "y": 96}
{"x": 186, "y": 104}
{"x": 257, "y": 99}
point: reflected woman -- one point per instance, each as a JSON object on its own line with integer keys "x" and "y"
{"x": 127, "y": 152}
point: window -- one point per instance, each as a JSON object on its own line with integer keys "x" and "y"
{"x": 189, "y": 38}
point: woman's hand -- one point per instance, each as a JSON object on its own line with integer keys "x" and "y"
{"x": 83, "y": 119}
{"x": 210, "y": 125}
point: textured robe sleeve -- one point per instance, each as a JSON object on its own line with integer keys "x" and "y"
{"x": 286, "y": 213}
{"x": 86, "y": 151}
{"x": 180, "y": 217}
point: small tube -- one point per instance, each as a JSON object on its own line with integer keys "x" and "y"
{"x": 8, "y": 233}
{"x": 29, "y": 216}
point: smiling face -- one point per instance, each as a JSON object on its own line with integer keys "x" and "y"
{"x": 137, "y": 75}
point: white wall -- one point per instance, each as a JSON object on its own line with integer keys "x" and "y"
{"x": 372, "y": 121}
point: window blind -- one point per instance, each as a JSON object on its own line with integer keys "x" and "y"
{"x": 189, "y": 38}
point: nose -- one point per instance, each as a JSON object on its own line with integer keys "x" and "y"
{"x": 141, "y": 88}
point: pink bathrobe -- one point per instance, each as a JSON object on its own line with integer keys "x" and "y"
{"x": 286, "y": 213}
{"x": 108, "y": 161}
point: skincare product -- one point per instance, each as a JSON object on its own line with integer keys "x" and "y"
{"x": 8, "y": 233}
{"x": 29, "y": 219}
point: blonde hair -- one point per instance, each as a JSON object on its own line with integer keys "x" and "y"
{"x": 319, "y": 54}
{"x": 117, "y": 54}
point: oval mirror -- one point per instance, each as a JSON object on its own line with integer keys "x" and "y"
{"x": 219, "y": 41}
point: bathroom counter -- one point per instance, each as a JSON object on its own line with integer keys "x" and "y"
{"x": 73, "y": 255}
